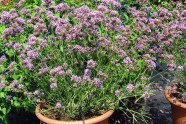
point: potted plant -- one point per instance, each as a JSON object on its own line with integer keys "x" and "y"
{"x": 164, "y": 30}
{"x": 176, "y": 93}
{"x": 75, "y": 63}
{"x": 176, "y": 66}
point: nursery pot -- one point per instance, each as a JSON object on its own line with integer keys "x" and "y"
{"x": 103, "y": 119}
{"x": 178, "y": 109}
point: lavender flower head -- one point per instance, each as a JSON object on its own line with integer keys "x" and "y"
{"x": 32, "y": 54}
{"x": 20, "y": 86}
{"x": 117, "y": 93}
{"x": 91, "y": 64}
{"x": 130, "y": 87}
{"x": 184, "y": 97}
{"x": 2, "y": 85}
{"x": 98, "y": 83}
{"x": 146, "y": 95}
{"x": 53, "y": 85}
{"x": 87, "y": 72}
{"x": 36, "y": 92}
{"x": 58, "y": 105}
{"x": 13, "y": 84}
{"x": 76, "y": 78}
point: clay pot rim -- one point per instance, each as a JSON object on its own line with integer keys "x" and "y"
{"x": 87, "y": 121}
{"x": 177, "y": 103}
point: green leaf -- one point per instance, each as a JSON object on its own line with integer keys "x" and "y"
{"x": 2, "y": 28}
{"x": 3, "y": 111}
{"x": 7, "y": 88}
{"x": 36, "y": 1}
{"x": 61, "y": 48}
{"x": 126, "y": 17}
{"x": 16, "y": 77}
{"x": 16, "y": 104}
{"x": 10, "y": 52}
{"x": 2, "y": 95}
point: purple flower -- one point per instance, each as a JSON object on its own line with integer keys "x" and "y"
{"x": 58, "y": 105}
{"x": 180, "y": 68}
{"x": 21, "y": 21}
{"x": 20, "y": 86}
{"x": 113, "y": 3}
{"x": 43, "y": 71}
{"x": 38, "y": 100}
{"x": 129, "y": 87}
{"x": 146, "y": 95}
{"x": 144, "y": 78}
{"x": 55, "y": 71}
{"x": 32, "y": 40}
{"x": 2, "y": 59}
{"x": 61, "y": 7}
{"x": 5, "y": 16}
{"x": 30, "y": 66}
{"x": 12, "y": 64}
{"x": 174, "y": 89}
{"x": 69, "y": 72}
{"x": 117, "y": 93}
{"x": 174, "y": 100}
{"x": 86, "y": 78}
{"x": 49, "y": 14}
{"x": 171, "y": 66}
{"x": 179, "y": 4}
{"x": 32, "y": 54}
{"x": 91, "y": 64}
{"x": 61, "y": 73}
{"x": 13, "y": 84}
{"x": 151, "y": 64}
{"x": 121, "y": 53}
{"x": 76, "y": 79}
{"x": 184, "y": 97}
{"x": 87, "y": 72}
{"x": 65, "y": 65}
{"x": 47, "y": 3}
{"x": 25, "y": 12}
{"x": 97, "y": 83}
{"x": 53, "y": 85}
{"x": 36, "y": 92}
{"x": 2, "y": 85}
{"x": 127, "y": 61}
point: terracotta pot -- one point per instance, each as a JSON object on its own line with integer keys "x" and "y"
{"x": 103, "y": 119}
{"x": 5, "y": 2}
{"x": 178, "y": 109}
